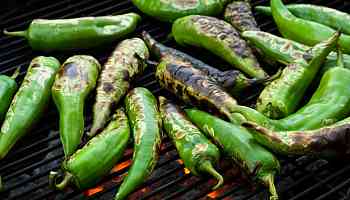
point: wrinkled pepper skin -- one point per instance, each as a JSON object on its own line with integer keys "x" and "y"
{"x": 239, "y": 14}
{"x": 120, "y": 69}
{"x": 239, "y": 145}
{"x": 145, "y": 122}
{"x": 97, "y": 157}
{"x": 197, "y": 152}
{"x": 29, "y": 102}
{"x": 232, "y": 80}
{"x": 78, "y": 33}
{"x": 282, "y": 96}
{"x": 303, "y": 31}
{"x": 171, "y": 10}
{"x": 221, "y": 39}
{"x": 73, "y": 83}
{"x": 320, "y": 14}
{"x": 8, "y": 88}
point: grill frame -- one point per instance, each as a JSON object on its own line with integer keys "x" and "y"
{"x": 26, "y": 167}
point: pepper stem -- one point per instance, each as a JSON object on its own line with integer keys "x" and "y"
{"x": 16, "y": 73}
{"x": 206, "y": 166}
{"x": 269, "y": 180}
{"x": 16, "y": 33}
{"x": 60, "y": 186}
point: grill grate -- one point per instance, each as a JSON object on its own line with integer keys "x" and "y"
{"x": 25, "y": 170}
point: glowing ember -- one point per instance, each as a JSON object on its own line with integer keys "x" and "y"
{"x": 187, "y": 171}
{"x": 93, "y": 191}
{"x": 121, "y": 166}
{"x": 213, "y": 194}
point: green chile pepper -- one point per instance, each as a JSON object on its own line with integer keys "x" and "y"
{"x": 220, "y": 38}
{"x": 197, "y": 152}
{"x": 170, "y": 10}
{"x": 120, "y": 69}
{"x": 75, "y": 80}
{"x": 97, "y": 157}
{"x": 145, "y": 122}
{"x": 238, "y": 144}
{"x": 78, "y": 33}
{"x": 8, "y": 88}
{"x": 300, "y": 30}
{"x": 320, "y": 14}
{"x": 282, "y": 96}
{"x": 239, "y": 14}
{"x": 232, "y": 80}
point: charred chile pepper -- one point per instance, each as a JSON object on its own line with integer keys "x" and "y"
{"x": 75, "y": 80}
{"x": 220, "y": 38}
{"x": 238, "y": 144}
{"x": 8, "y": 88}
{"x": 197, "y": 152}
{"x": 97, "y": 157}
{"x": 170, "y": 10}
{"x": 239, "y": 15}
{"x": 320, "y": 14}
{"x": 282, "y": 96}
{"x": 145, "y": 122}
{"x": 232, "y": 80}
{"x": 120, "y": 69}
{"x": 300, "y": 30}
{"x": 78, "y": 33}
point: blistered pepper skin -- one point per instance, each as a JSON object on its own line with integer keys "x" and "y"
{"x": 78, "y": 33}
{"x": 220, "y": 38}
{"x": 121, "y": 68}
{"x": 73, "y": 83}
{"x": 29, "y": 102}
{"x": 170, "y": 10}
{"x": 8, "y": 88}
{"x": 97, "y": 157}
{"x": 145, "y": 122}
{"x": 238, "y": 144}
{"x": 239, "y": 14}
{"x": 197, "y": 152}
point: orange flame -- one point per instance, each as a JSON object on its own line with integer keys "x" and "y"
{"x": 92, "y": 191}
{"x": 121, "y": 166}
{"x": 213, "y": 194}
{"x": 180, "y": 161}
{"x": 187, "y": 171}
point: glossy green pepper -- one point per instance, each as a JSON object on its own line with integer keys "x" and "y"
{"x": 303, "y": 31}
{"x": 220, "y": 38}
{"x": 75, "y": 80}
{"x": 170, "y": 10}
{"x": 8, "y": 88}
{"x": 239, "y": 14}
{"x": 282, "y": 96}
{"x": 239, "y": 145}
{"x": 120, "y": 69}
{"x": 78, "y": 33}
{"x": 145, "y": 122}
{"x": 320, "y": 14}
{"x": 197, "y": 152}
{"x": 97, "y": 157}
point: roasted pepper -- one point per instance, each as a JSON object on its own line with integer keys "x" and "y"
{"x": 303, "y": 31}
{"x": 283, "y": 95}
{"x": 197, "y": 152}
{"x": 220, "y": 38}
{"x": 75, "y": 80}
{"x": 170, "y": 10}
{"x": 320, "y": 14}
{"x": 239, "y": 14}
{"x": 120, "y": 69}
{"x": 239, "y": 145}
{"x": 97, "y": 157}
{"x": 78, "y": 33}
{"x": 145, "y": 122}
{"x": 8, "y": 88}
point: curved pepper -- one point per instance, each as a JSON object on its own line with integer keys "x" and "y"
{"x": 170, "y": 10}
{"x": 145, "y": 122}
{"x": 8, "y": 88}
{"x": 120, "y": 69}
{"x": 238, "y": 144}
{"x": 75, "y": 80}
{"x": 78, "y": 33}
{"x": 300, "y": 30}
{"x": 220, "y": 38}
{"x": 320, "y": 14}
{"x": 97, "y": 157}
{"x": 282, "y": 96}
{"x": 197, "y": 152}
